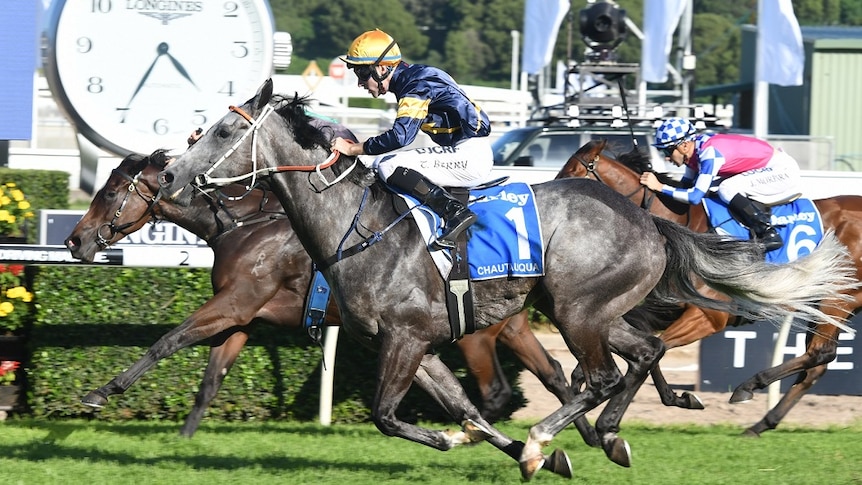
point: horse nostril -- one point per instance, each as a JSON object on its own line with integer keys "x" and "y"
{"x": 165, "y": 178}
{"x": 72, "y": 243}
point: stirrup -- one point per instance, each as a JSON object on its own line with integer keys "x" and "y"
{"x": 447, "y": 239}
{"x": 441, "y": 243}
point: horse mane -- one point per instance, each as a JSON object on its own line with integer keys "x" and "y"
{"x": 134, "y": 163}
{"x": 293, "y": 111}
{"x": 160, "y": 158}
{"x": 637, "y": 160}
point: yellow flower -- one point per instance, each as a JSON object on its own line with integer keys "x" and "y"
{"x": 16, "y": 292}
{"x": 6, "y": 308}
{"x": 15, "y": 210}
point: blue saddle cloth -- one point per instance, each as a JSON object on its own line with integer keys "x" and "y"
{"x": 798, "y": 223}
{"x": 506, "y": 240}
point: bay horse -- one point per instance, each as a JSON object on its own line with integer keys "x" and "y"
{"x": 240, "y": 231}
{"x": 841, "y": 215}
{"x": 603, "y": 256}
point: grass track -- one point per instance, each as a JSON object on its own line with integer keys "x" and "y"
{"x": 64, "y": 452}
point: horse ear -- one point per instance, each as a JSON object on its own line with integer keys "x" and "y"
{"x": 264, "y": 94}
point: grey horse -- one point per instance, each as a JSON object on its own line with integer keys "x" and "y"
{"x": 603, "y": 256}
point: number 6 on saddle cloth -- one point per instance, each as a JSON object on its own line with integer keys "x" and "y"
{"x": 797, "y": 222}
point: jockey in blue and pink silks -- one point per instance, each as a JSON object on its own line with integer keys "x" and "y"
{"x": 741, "y": 168}
{"x": 429, "y": 101}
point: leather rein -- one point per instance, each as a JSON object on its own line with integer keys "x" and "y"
{"x": 205, "y": 179}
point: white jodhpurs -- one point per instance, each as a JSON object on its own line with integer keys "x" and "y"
{"x": 779, "y": 181}
{"x": 466, "y": 165}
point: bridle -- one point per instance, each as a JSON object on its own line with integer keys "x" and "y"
{"x": 215, "y": 202}
{"x": 205, "y": 180}
{"x": 590, "y": 167}
{"x": 112, "y": 227}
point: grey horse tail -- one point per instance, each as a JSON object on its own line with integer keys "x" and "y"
{"x": 756, "y": 290}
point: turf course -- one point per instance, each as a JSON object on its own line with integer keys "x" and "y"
{"x": 63, "y": 452}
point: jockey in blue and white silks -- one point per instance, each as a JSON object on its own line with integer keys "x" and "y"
{"x": 741, "y": 168}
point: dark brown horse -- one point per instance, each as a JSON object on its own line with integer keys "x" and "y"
{"x": 841, "y": 214}
{"x": 241, "y": 232}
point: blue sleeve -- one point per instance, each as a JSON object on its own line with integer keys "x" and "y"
{"x": 701, "y": 180}
{"x": 413, "y": 107}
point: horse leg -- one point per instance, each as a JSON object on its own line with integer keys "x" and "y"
{"x": 694, "y": 324}
{"x": 480, "y": 354}
{"x": 439, "y": 381}
{"x": 518, "y": 336}
{"x": 399, "y": 363}
{"x": 799, "y": 388}
{"x": 642, "y": 352}
{"x": 223, "y": 354}
{"x": 686, "y": 400}
{"x": 590, "y": 347}
{"x": 206, "y": 321}
{"x": 821, "y": 349}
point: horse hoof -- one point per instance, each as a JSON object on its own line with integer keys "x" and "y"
{"x": 559, "y": 463}
{"x": 692, "y": 401}
{"x": 94, "y": 400}
{"x": 741, "y": 395}
{"x": 474, "y": 431}
{"x": 750, "y": 433}
{"x": 618, "y": 451}
{"x": 531, "y": 466}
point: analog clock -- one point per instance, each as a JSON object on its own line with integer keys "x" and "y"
{"x": 135, "y": 76}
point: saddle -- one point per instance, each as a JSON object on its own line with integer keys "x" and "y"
{"x": 506, "y": 248}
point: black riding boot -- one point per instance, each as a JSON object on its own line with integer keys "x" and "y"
{"x": 456, "y": 216}
{"x": 758, "y": 221}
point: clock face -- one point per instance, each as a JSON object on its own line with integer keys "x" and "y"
{"x": 136, "y": 76}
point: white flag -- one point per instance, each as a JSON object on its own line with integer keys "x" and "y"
{"x": 660, "y": 20}
{"x": 779, "y": 43}
{"x": 542, "y": 20}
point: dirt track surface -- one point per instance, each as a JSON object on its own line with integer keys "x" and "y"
{"x": 680, "y": 367}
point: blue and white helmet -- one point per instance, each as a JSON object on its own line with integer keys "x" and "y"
{"x": 673, "y": 131}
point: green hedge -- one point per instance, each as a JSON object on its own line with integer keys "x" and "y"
{"x": 93, "y": 322}
{"x": 43, "y": 189}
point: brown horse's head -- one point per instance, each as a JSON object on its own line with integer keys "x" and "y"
{"x": 581, "y": 162}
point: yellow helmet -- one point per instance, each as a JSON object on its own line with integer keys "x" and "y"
{"x": 373, "y": 47}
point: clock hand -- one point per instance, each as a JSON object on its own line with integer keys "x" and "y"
{"x": 180, "y": 67}
{"x": 162, "y": 49}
